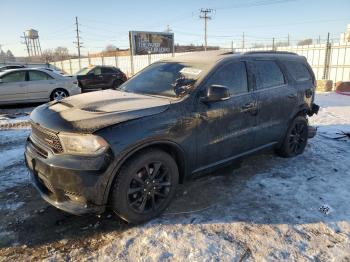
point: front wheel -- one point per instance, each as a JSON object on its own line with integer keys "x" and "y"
{"x": 144, "y": 186}
{"x": 295, "y": 140}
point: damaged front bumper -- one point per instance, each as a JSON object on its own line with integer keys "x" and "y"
{"x": 70, "y": 183}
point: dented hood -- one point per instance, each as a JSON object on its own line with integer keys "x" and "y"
{"x": 89, "y": 112}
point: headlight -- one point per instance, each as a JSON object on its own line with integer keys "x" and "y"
{"x": 82, "y": 144}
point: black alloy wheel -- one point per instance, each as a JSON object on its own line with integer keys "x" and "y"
{"x": 295, "y": 140}
{"x": 144, "y": 186}
{"x": 149, "y": 187}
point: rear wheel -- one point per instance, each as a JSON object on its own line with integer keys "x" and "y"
{"x": 59, "y": 94}
{"x": 144, "y": 186}
{"x": 296, "y": 138}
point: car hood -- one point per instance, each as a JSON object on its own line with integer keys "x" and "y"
{"x": 86, "y": 113}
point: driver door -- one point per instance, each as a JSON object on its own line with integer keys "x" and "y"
{"x": 13, "y": 87}
{"x": 227, "y": 128}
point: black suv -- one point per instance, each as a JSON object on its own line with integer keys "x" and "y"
{"x": 100, "y": 77}
{"x": 127, "y": 149}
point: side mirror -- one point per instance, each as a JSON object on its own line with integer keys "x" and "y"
{"x": 216, "y": 93}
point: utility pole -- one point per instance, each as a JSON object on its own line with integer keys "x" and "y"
{"x": 205, "y": 15}
{"x": 243, "y": 41}
{"x": 168, "y": 29}
{"x": 78, "y": 43}
{"x": 273, "y": 44}
{"x": 232, "y": 46}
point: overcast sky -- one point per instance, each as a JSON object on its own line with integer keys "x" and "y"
{"x": 108, "y": 22}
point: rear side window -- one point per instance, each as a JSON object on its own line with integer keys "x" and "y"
{"x": 107, "y": 70}
{"x": 38, "y": 76}
{"x": 18, "y": 76}
{"x": 269, "y": 74}
{"x": 298, "y": 71}
{"x": 233, "y": 76}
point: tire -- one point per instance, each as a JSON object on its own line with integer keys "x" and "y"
{"x": 58, "y": 94}
{"x": 144, "y": 186}
{"x": 296, "y": 137}
{"x": 117, "y": 83}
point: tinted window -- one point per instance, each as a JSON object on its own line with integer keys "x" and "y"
{"x": 298, "y": 71}
{"x": 38, "y": 76}
{"x": 108, "y": 70}
{"x": 269, "y": 74}
{"x": 96, "y": 71}
{"x": 14, "y": 77}
{"x": 233, "y": 76}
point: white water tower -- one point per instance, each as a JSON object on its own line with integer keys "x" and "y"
{"x": 31, "y": 38}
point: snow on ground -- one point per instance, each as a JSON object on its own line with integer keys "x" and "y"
{"x": 12, "y": 169}
{"x": 270, "y": 209}
{"x": 14, "y": 117}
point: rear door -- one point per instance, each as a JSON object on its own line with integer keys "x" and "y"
{"x": 227, "y": 129}
{"x": 276, "y": 101}
{"x": 109, "y": 75}
{"x": 40, "y": 85}
{"x": 13, "y": 86}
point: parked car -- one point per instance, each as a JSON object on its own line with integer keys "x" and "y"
{"x": 100, "y": 77}
{"x": 127, "y": 149}
{"x": 3, "y": 68}
{"x": 34, "y": 85}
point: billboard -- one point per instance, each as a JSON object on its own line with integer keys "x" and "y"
{"x": 142, "y": 43}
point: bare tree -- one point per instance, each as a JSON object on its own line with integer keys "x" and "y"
{"x": 48, "y": 55}
{"x": 61, "y": 53}
{"x": 307, "y": 41}
{"x": 10, "y": 57}
{"x": 111, "y": 48}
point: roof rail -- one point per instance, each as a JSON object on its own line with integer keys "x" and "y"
{"x": 269, "y": 52}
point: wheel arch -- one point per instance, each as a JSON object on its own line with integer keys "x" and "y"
{"x": 170, "y": 147}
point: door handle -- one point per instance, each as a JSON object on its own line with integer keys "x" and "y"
{"x": 247, "y": 107}
{"x": 292, "y": 96}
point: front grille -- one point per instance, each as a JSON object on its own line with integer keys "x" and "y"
{"x": 47, "y": 137}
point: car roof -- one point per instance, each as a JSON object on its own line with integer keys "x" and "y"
{"x": 55, "y": 75}
{"x": 207, "y": 60}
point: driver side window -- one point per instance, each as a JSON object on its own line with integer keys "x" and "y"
{"x": 232, "y": 75}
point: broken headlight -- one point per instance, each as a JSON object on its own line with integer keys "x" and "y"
{"x": 82, "y": 144}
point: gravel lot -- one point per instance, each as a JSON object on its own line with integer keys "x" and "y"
{"x": 270, "y": 208}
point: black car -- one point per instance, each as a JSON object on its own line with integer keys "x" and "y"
{"x": 127, "y": 149}
{"x": 99, "y": 78}
{"x": 3, "y": 68}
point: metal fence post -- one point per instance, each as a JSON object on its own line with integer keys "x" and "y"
{"x": 70, "y": 66}
{"x": 327, "y": 59}
{"x": 116, "y": 59}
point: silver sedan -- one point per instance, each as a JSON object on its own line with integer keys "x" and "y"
{"x": 35, "y": 85}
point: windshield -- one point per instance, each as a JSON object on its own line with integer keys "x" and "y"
{"x": 84, "y": 71}
{"x": 168, "y": 79}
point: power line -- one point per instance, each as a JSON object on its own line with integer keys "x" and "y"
{"x": 205, "y": 15}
